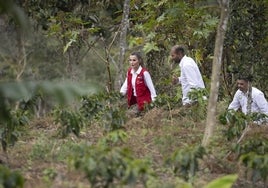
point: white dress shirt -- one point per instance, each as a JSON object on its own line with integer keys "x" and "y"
{"x": 259, "y": 103}
{"x": 147, "y": 79}
{"x": 190, "y": 78}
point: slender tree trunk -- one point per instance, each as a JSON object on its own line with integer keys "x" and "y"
{"x": 123, "y": 44}
{"x": 215, "y": 79}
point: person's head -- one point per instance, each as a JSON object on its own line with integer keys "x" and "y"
{"x": 243, "y": 82}
{"x": 135, "y": 60}
{"x": 177, "y": 52}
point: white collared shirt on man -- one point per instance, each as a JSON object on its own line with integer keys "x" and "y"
{"x": 190, "y": 78}
{"x": 259, "y": 103}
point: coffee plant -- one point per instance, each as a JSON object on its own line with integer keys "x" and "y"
{"x": 10, "y": 179}
{"x": 253, "y": 155}
{"x": 185, "y": 161}
{"x": 104, "y": 108}
{"x": 71, "y": 121}
{"x": 107, "y": 166}
{"x": 236, "y": 122}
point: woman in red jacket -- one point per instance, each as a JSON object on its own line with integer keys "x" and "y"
{"x": 138, "y": 85}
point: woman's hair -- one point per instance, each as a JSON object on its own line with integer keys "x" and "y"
{"x": 138, "y": 55}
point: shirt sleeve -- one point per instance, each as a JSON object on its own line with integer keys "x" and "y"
{"x": 123, "y": 89}
{"x": 150, "y": 85}
{"x": 262, "y": 103}
{"x": 235, "y": 104}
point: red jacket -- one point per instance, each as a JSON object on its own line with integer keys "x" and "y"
{"x": 142, "y": 91}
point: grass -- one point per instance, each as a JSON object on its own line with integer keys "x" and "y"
{"x": 45, "y": 159}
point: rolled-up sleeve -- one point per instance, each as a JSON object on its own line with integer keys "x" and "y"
{"x": 235, "y": 104}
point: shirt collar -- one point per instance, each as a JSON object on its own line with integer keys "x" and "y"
{"x": 182, "y": 58}
{"x": 137, "y": 72}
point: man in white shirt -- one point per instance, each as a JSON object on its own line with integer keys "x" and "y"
{"x": 248, "y": 99}
{"x": 190, "y": 77}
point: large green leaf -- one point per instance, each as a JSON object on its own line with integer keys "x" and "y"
{"x": 223, "y": 182}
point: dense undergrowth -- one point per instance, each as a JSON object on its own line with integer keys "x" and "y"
{"x": 101, "y": 143}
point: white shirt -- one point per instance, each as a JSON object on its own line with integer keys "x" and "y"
{"x": 147, "y": 79}
{"x": 190, "y": 77}
{"x": 259, "y": 103}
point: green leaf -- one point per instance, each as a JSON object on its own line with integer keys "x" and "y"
{"x": 150, "y": 46}
{"x": 223, "y": 182}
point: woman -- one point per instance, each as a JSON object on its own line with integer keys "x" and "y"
{"x": 138, "y": 85}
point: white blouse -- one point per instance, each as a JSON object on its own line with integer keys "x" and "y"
{"x": 148, "y": 82}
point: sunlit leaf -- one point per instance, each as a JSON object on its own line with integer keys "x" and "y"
{"x": 223, "y": 182}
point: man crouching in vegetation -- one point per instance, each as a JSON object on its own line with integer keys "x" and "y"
{"x": 249, "y": 99}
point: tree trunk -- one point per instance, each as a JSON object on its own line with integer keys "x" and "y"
{"x": 215, "y": 78}
{"x": 123, "y": 45}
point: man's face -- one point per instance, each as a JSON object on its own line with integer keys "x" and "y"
{"x": 176, "y": 57}
{"x": 242, "y": 85}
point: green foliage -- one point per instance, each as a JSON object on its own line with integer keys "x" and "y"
{"x": 71, "y": 121}
{"x": 12, "y": 93}
{"x": 114, "y": 137}
{"x": 107, "y": 167}
{"x": 10, "y": 179}
{"x": 253, "y": 154}
{"x": 258, "y": 164}
{"x": 185, "y": 161}
{"x": 9, "y": 129}
{"x": 105, "y": 108}
{"x": 11, "y": 8}
{"x": 49, "y": 174}
{"x": 222, "y": 182}
{"x": 168, "y": 100}
{"x": 41, "y": 150}
{"x": 200, "y": 98}
{"x": 256, "y": 144}
{"x": 246, "y": 42}
{"x": 236, "y": 122}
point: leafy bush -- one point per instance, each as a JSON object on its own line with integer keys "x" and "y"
{"x": 258, "y": 164}
{"x": 253, "y": 154}
{"x": 166, "y": 102}
{"x": 104, "y": 107}
{"x": 9, "y": 179}
{"x": 70, "y": 121}
{"x": 185, "y": 161}
{"x": 236, "y": 122}
{"x": 105, "y": 166}
{"x": 9, "y": 130}
{"x": 199, "y": 109}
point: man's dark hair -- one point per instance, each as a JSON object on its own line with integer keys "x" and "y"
{"x": 179, "y": 49}
{"x": 246, "y": 77}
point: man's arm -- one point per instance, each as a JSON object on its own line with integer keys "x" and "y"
{"x": 235, "y": 104}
